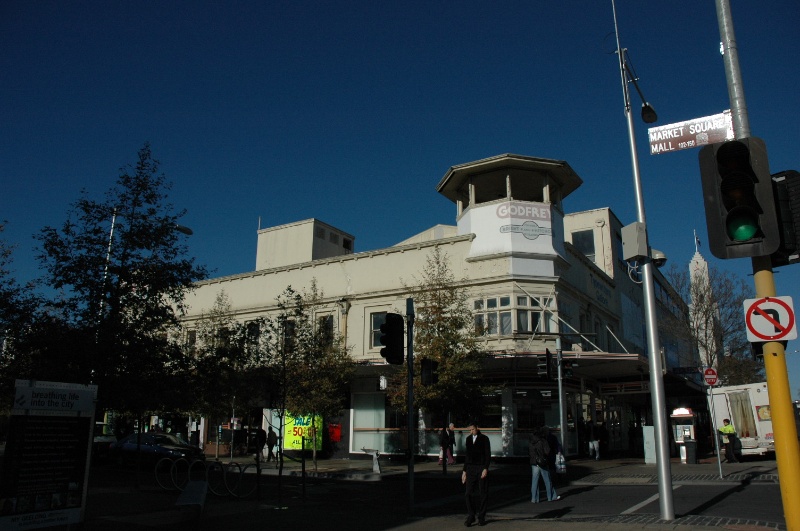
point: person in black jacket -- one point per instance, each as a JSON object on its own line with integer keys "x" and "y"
{"x": 541, "y": 454}
{"x": 475, "y": 473}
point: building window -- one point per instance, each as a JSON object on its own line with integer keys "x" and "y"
{"x": 506, "y": 315}
{"x": 506, "y": 321}
{"x": 334, "y": 238}
{"x": 376, "y": 320}
{"x": 611, "y": 342}
{"x": 584, "y": 242}
{"x": 529, "y": 315}
{"x": 599, "y": 336}
{"x": 347, "y": 244}
{"x": 325, "y": 330}
{"x": 319, "y": 232}
{"x": 253, "y": 330}
{"x": 289, "y": 333}
{"x": 191, "y": 338}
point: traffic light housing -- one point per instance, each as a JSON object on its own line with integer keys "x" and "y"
{"x": 430, "y": 371}
{"x": 739, "y": 201}
{"x": 786, "y": 187}
{"x": 567, "y": 366}
{"x": 392, "y": 339}
{"x": 543, "y": 366}
{"x": 548, "y": 356}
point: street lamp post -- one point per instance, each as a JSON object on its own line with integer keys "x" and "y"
{"x": 179, "y": 228}
{"x": 653, "y": 344}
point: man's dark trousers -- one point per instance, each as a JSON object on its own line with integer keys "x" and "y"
{"x": 474, "y": 482}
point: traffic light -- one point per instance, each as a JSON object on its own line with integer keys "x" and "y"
{"x": 430, "y": 371}
{"x": 392, "y": 339}
{"x": 786, "y": 187}
{"x": 549, "y": 357}
{"x": 543, "y": 366}
{"x": 740, "y": 205}
{"x": 567, "y": 366}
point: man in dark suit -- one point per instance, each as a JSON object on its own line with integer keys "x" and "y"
{"x": 476, "y": 471}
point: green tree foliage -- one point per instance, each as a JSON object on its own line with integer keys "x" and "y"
{"x": 120, "y": 271}
{"x": 290, "y": 360}
{"x": 444, "y": 333}
{"x": 311, "y": 367}
{"x": 217, "y": 362}
{"x": 320, "y": 367}
{"x": 17, "y": 308}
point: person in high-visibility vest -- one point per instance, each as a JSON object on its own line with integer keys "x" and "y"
{"x": 728, "y": 433}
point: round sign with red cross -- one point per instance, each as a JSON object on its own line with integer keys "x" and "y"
{"x": 770, "y": 319}
{"x": 710, "y": 375}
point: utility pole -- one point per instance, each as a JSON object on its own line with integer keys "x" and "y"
{"x": 412, "y": 427}
{"x": 787, "y": 448}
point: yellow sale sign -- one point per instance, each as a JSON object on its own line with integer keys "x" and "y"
{"x": 297, "y": 427}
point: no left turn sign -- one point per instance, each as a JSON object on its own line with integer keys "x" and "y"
{"x": 770, "y": 319}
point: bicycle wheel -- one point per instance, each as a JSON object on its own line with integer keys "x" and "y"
{"x": 246, "y": 484}
{"x": 180, "y": 473}
{"x": 163, "y": 473}
{"x": 237, "y": 474}
{"x": 215, "y": 473}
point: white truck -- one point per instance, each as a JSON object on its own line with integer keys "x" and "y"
{"x": 747, "y": 406}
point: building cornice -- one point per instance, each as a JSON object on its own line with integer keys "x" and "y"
{"x": 342, "y": 258}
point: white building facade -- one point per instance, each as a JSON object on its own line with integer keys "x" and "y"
{"x": 537, "y": 278}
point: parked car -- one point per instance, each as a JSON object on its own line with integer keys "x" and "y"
{"x": 102, "y": 440}
{"x": 154, "y": 447}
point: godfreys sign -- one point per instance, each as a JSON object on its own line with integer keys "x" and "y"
{"x": 524, "y": 211}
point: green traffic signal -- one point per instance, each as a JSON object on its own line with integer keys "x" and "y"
{"x": 738, "y": 197}
{"x": 742, "y": 224}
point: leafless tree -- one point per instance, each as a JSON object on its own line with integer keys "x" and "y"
{"x": 715, "y": 324}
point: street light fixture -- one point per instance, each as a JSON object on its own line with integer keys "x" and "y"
{"x": 648, "y": 112}
{"x": 653, "y": 343}
{"x": 185, "y": 230}
{"x": 179, "y": 228}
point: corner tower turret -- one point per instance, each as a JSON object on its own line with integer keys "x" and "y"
{"x": 513, "y": 205}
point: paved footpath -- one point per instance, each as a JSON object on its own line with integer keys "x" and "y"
{"x": 347, "y": 494}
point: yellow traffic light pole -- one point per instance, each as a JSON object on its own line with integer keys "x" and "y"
{"x": 787, "y": 447}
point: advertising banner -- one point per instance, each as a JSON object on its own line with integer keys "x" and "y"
{"x": 297, "y": 427}
{"x": 45, "y": 466}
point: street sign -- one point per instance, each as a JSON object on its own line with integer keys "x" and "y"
{"x": 770, "y": 319}
{"x": 710, "y": 376}
{"x": 691, "y": 133}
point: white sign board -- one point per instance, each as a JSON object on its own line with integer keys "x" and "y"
{"x": 770, "y": 319}
{"x": 45, "y": 471}
{"x": 691, "y": 133}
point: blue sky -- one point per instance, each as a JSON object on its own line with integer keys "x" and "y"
{"x": 351, "y": 112}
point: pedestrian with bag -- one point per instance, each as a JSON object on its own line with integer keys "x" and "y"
{"x": 540, "y": 451}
